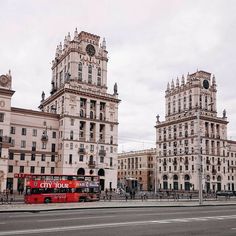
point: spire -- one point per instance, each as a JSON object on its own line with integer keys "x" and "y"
{"x": 75, "y": 33}
{"x": 172, "y": 84}
{"x": 65, "y": 42}
{"x": 177, "y": 82}
{"x": 182, "y": 80}
{"x": 188, "y": 77}
{"x": 104, "y": 43}
{"x": 168, "y": 86}
{"x": 57, "y": 51}
{"x": 68, "y": 37}
{"x": 213, "y": 80}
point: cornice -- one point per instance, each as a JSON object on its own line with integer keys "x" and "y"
{"x": 34, "y": 113}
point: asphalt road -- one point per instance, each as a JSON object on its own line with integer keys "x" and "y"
{"x": 123, "y": 222}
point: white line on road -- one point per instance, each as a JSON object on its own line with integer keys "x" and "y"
{"x": 75, "y": 218}
{"x": 119, "y": 224}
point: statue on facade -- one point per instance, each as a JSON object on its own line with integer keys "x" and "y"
{"x": 224, "y": 113}
{"x": 115, "y": 89}
{"x": 43, "y": 96}
{"x": 158, "y": 118}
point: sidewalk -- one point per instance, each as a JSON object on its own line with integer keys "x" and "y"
{"x": 21, "y": 207}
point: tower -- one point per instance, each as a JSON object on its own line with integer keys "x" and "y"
{"x": 5, "y": 117}
{"x": 191, "y": 113}
{"x": 88, "y": 114}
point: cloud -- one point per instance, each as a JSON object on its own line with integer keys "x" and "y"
{"x": 149, "y": 43}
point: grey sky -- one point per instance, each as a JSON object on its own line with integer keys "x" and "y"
{"x": 149, "y": 43}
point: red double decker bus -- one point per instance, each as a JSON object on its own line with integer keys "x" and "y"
{"x": 61, "y": 188}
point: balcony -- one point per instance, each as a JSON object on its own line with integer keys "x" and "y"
{"x": 81, "y": 151}
{"x": 6, "y": 141}
{"x": 44, "y": 137}
{"x": 91, "y": 164}
{"x": 102, "y": 152}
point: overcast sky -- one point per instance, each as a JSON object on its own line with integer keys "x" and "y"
{"x": 149, "y": 43}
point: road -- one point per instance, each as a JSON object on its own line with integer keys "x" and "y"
{"x": 218, "y": 220}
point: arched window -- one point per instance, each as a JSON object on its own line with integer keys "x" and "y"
{"x": 81, "y": 113}
{"x": 80, "y": 66}
{"x": 71, "y": 135}
{"x": 98, "y": 81}
{"x": 81, "y": 171}
{"x": 101, "y": 172}
{"x": 99, "y": 71}
{"x": 91, "y": 115}
{"x": 101, "y": 116}
{"x": 90, "y": 69}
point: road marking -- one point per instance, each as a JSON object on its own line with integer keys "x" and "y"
{"x": 119, "y": 224}
{"x": 75, "y": 218}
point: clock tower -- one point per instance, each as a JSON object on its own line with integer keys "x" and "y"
{"x": 88, "y": 113}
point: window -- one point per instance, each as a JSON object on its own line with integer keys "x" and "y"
{"x": 99, "y": 71}
{"x": 72, "y": 122}
{"x": 13, "y": 130}
{"x": 11, "y": 156}
{"x": 34, "y": 132}
{"x": 32, "y": 157}
{"x": 22, "y": 156}
{"x": 70, "y": 159}
{"x": 80, "y": 78}
{"x": 81, "y": 158}
{"x": 44, "y": 145}
{"x": 52, "y": 170}
{"x": 111, "y": 149}
{"x": 23, "y": 131}
{"x": 111, "y": 161}
{"x": 32, "y": 169}
{"x": 42, "y": 170}
{"x": 43, "y": 157}
{"x": 80, "y": 66}
{"x": 101, "y": 159}
{"x": 90, "y": 69}
{"x": 71, "y": 135}
{"x": 1, "y": 117}
{"x": 23, "y": 144}
{"x": 53, "y": 147}
{"x": 71, "y": 146}
{"x": 10, "y": 169}
{"x": 52, "y": 158}
{"x": 91, "y": 148}
{"x": 98, "y": 81}
{"x": 21, "y": 169}
{"x": 54, "y": 134}
{"x": 90, "y": 79}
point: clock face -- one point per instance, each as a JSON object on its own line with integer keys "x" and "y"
{"x": 4, "y": 81}
{"x": 205, "y": 84}
{"x": 90, "y": 50}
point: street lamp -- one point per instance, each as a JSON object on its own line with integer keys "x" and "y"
{"x": 199, "y": 160}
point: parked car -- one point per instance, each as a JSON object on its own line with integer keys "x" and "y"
{"x": 226, "y": 193}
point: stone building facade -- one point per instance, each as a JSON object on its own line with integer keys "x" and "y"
{"x": 137, "y": 165}
{"x": 193, "y": 138}
{"x": 75, "y": 131}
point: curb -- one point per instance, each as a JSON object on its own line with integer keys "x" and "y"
{"x": 111, "y": 207}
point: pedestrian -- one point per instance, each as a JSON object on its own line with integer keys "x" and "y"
{"x": 126, "y": 197}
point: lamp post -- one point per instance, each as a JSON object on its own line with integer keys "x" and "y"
{"x": 199, "y": 160}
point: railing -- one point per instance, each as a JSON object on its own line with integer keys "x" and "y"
{"x": 102, "y": 152}
{"x": 91, "y": 164}
{"x": 81, "y": 150}
{"x": 44, "y": 137}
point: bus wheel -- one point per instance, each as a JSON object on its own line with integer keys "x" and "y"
{"x": 47, "y": 200}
